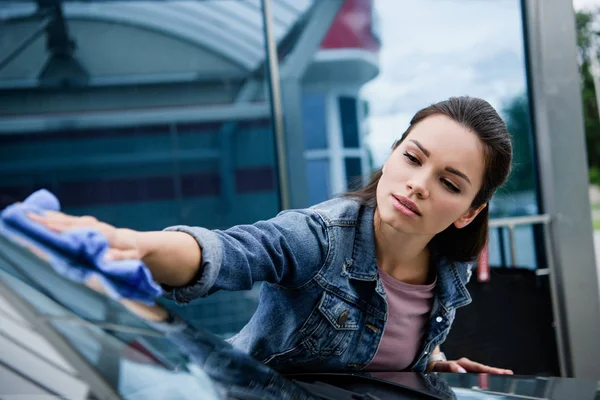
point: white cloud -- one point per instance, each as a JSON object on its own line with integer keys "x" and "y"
{"x": 434, "y": 49}
{"x": 585, "y": 4}
{"x": 388, "y": 129}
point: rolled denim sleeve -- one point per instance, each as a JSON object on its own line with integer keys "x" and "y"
{"x": 287, "y": 250}
{"x": 212, "y": 256}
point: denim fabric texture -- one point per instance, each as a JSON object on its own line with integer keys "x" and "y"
{"x": 322, "y": 306}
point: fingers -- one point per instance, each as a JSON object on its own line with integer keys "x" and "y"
{"x": 448, "y": 366}
{"x": 153, "y": 312}
{"x": 123, "y": 247}
{"x": 60, "y": 222}
{"x": 473, "y": 366}
{"x": 457, "y": 369}
{"x": 465, "y": 365}
{"x": 113, "y": 254}
{"x": 94, "y": 283}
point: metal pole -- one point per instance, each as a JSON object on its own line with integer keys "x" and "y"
{"x": 272, "y": 73}
{"x": 501, "y": 247}
{"x": 513, "y": 247}
{"x": 556, "y": 101}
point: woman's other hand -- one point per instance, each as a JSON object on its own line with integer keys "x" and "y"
{"x": 465, "y": 365}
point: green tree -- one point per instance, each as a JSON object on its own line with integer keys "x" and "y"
{"x": 518, "y": 122}
{"x": 587, "y": 32}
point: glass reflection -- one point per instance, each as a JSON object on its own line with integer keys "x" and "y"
{"x": 432, "y": 50}
{"x": 143, "y": 114}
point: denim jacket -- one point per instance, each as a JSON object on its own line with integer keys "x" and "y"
{"x": 323, "y": 306}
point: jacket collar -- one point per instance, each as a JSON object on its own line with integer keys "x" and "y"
{"x": 451, "y": 278}
{"x": 363, "y": 264}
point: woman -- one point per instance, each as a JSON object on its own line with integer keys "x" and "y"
{"x": 367, "y": 281}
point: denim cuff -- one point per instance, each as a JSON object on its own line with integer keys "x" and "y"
{"x": 212, "y": 256}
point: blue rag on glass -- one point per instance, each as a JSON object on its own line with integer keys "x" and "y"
{"x": 81, "y": 251}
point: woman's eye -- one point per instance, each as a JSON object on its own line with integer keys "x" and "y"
{"x": 450, "y": 186}
{"x": 412, "y": 158}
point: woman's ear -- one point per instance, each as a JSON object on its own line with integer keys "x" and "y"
{"x": 468, "y": 216}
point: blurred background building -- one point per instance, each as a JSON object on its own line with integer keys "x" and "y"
{"x": 148, "y": 114}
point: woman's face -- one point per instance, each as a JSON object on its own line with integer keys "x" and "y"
{"x": 430, "y": 180}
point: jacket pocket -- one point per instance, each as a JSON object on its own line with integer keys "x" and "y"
{"x": 331, "y": 326}
{"x": 327, "y": 332}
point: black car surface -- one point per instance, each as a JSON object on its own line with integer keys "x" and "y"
{"x": 63, "y": 338}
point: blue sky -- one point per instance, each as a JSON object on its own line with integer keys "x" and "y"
{"x": 434, "y": 49}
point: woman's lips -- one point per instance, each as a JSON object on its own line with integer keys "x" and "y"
{"x": 406, "y": 207}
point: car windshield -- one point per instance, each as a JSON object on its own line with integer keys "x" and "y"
{"x": 66, "y": 338}
{"x": 135, "y": 360}
{"x": 89, "y": 344}
{"x": 84, "y": 344}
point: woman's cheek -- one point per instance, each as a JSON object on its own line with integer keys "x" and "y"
{"x": 448, "y": 209}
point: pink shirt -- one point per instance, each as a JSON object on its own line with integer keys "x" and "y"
{"x": 409, "y": 307}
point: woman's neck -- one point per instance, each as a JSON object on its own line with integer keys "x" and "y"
{"x": 401, "y": 255}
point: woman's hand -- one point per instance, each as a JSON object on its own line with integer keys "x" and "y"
{"x": 465, "y": 365}
{"x": 122, "y": 242}
{"x": 173, "y": 258}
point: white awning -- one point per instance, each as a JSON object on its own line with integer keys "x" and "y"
{"x": 229, "y": 29}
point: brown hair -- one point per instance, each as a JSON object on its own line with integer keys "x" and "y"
{"x": 481, "y": 118}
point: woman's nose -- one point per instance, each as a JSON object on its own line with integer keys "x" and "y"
{"x": 418, "y": 187}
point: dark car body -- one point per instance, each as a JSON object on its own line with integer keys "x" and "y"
{"x": 59, "y": 337}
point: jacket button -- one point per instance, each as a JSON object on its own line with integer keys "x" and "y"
{"x": 343, "y": 317}
{"x": 438, "y": 319}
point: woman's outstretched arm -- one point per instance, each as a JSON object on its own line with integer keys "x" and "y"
{"x": 174, "y": 258}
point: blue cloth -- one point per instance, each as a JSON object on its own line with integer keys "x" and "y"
{"x": 78, "y": 254}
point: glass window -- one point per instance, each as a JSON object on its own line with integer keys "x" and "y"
{"x": 349, "y": 121}
{"x": 154, "y": 119}
{"x": 319, "y": 186}
{"x": 481, "y": 54}
{"x": 353, "y": 172}
{"x": 314, "y": 123}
